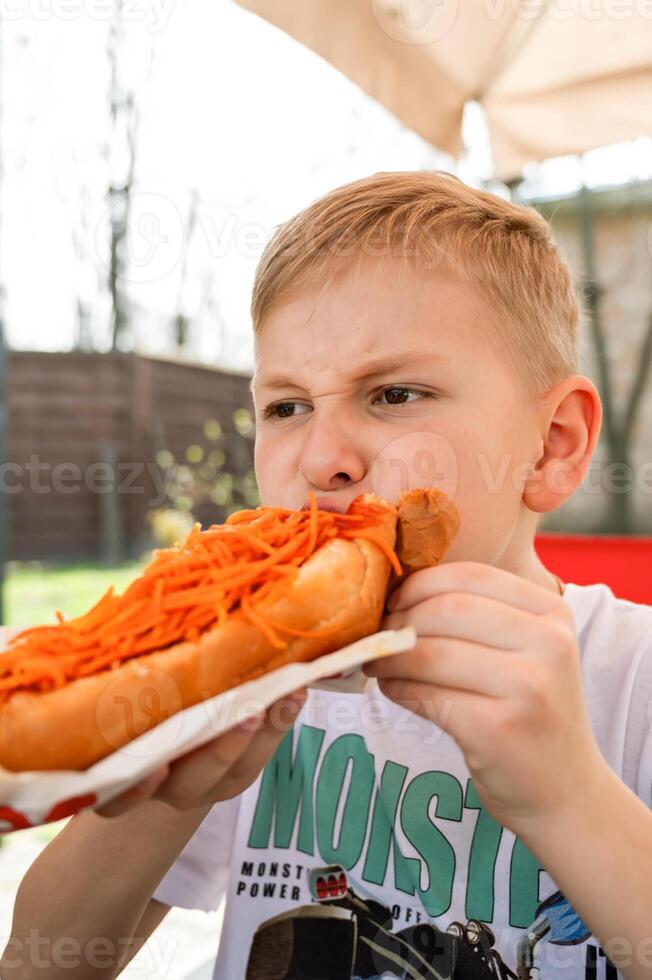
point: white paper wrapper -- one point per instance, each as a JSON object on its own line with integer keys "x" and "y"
{"x": 31, "y": 798}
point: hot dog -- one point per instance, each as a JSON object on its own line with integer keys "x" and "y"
{"x": 268, "y": 587}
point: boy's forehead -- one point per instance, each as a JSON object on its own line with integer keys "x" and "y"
{"x": 355, "y": 326}
{"x": 282, "y": 373}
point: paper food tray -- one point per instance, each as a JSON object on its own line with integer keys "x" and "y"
{"x": 31, "y": 798}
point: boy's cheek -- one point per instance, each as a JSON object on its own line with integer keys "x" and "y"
{"x": 486, "y": 529}
{"x": 274, "y": 479}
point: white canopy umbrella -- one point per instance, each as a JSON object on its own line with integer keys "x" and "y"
{"x": 554, "y": 76}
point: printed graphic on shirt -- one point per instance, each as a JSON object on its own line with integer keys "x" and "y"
{"x": 328, "y": 804}
{"x": 344, "y": 935}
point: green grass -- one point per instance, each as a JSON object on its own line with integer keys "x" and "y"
{"x": 34, "y": 592}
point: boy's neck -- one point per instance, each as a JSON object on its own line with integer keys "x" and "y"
{"x": 534, "y": 571}
{"x": 521, "y": 559}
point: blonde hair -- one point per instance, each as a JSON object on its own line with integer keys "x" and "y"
{"x": 432, "y": 219}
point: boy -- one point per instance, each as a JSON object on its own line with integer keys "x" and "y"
{"x": 481, "y": 811}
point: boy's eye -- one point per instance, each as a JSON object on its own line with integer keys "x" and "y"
{"x": 279, "y": 410}
{"x": 395, "y": 396}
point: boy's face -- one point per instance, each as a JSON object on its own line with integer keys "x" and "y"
{"x": 467, "y": 429}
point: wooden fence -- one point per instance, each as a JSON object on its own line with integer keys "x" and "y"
{"x": 84, "y": 430}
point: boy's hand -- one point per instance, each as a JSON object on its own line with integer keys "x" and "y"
{"x": 218, "y": 770}
{"x": 497, "y": 666}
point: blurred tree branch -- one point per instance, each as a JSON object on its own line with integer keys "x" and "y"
{"x": 121, "y": 155}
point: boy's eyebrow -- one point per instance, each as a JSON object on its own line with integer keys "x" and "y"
{"x": 374, "y": 367}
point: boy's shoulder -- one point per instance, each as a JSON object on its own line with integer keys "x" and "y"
{"x": 611, "y": 631}
{"x": 599, "y": 600}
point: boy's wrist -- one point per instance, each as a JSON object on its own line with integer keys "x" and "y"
{"x": 159, "y": 814}
{"x": 581, "y": 813}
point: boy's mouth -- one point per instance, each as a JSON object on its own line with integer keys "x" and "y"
{"x": 339, "y": 508}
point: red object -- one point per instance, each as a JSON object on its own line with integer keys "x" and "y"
{"x": 624, "y": 564}
{"x": 14, "y": 819}
{"x": 11, "y": 819}
{"x": 69, "y": 807}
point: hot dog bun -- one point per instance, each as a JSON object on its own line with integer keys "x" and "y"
{"x": 343, "y": 584}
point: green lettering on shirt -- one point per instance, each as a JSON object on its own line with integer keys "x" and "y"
{"x": 523, "y": 886}
{"x": 286, "y": 788}
{"x": 348, "y": 753}
{"x": 482, "y": 859}
{"x": 428, "y": 840}
{"x": 382, "y": 836}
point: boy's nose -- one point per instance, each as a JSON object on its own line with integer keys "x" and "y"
{"x": 330, "y": 458}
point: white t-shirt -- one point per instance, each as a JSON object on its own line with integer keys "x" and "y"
{"x": 362, "y": 849}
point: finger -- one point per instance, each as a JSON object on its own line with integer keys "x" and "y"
{"x": 279, "y": 720}
{"x": 478, "y": 578}
{"x": 282, "y": 713}
{"x": 198, "y": 772}
{"x": 468, "y": 616}
{"x": 452, "y": 663}
{"x": 211, "y": 772}
{"x": 135, "y": 794}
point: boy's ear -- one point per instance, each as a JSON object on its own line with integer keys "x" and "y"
{"x": 571, "y": 417}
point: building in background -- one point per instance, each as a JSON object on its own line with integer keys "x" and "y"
{"x": 622, "y": 251}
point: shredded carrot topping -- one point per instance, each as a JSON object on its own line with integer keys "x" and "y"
{"x": 186, "y": 590}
